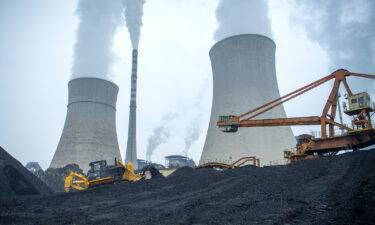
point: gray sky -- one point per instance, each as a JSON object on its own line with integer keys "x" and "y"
{"x": 36, "y": 49}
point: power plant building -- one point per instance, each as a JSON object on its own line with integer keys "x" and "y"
{"x": 244, "y": 78}
{"x": 175, "y": 161}
{"x": 90, "y": 127}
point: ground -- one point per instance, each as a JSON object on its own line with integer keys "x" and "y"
{"x": 334, "y": 190}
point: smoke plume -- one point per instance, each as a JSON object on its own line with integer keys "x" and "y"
{"x": 242, "y": 17}
{"x": 194, "y": 129}
{"x": 160, "y": 135}
{"x": 98, "y": 21}
{"x": 192, "y": 134}
{"x": 133, "y": 18}
{"x": 345, "y": 28}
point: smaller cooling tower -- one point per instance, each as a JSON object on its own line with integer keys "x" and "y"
{"x": 244, "y": 78}
{"x": 90, "y": 127}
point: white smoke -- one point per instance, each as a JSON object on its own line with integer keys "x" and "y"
{"x": 98, "y": 21}
{"x": 345, "y": 28}
{"x": 194, "y": 129}
{"x": 133, "y": 18}
{"x": 192, "y": 134}
{"x": 160, "y": 135}
{"x": 242, "y": 17}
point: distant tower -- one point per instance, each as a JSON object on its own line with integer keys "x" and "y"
{"x": 90, "y": 127}
{"x": 131, "y": 148}
{"x": 244, "y": 78}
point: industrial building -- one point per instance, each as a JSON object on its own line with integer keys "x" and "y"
{"x": 244, "y": 78}
{"x": 90, "y": 127}
{"x": 175, "y": 161}
{"x": 142, "y": 163}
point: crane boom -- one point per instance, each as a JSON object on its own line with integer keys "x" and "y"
{"x": 361, "y": 116}
{"x": 231, "y": 123}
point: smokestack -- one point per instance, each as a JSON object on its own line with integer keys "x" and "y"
{"x": 90, "y": 127}
{"x": 131, "y": 148}
{"x": 244, "y": 78}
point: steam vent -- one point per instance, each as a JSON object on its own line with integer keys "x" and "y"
{"x": 244, "y": 78}
{"x": 90, "y": 127}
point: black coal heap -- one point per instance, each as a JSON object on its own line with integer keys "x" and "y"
{"x": 335, "y": 190}
{"x": 16, "y": 180}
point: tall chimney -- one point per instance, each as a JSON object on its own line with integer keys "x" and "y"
{"x": 244, "y": 77}
{"x": 90, "y": 127}
{"x": 131, "y": 148}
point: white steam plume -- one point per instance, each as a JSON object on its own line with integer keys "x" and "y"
{"x": 133, "y": 18}
{"x": 194, "y": 128}
{"x": 242, "y": 17}
{"x": 160, "y": 135}
{"x": 192, "y": 134}
{"x": 98, "y": 21}
{"x": 345, "y": 28}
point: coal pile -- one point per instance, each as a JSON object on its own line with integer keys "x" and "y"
{"x": 335, "y": 190}
{"x": 16, "y": 180}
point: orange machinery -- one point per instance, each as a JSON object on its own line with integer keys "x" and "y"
{"x": 360, "y": 135}
{"x": 250, "y": 160}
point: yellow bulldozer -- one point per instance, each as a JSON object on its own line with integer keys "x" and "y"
{"x": 100, "y": 173}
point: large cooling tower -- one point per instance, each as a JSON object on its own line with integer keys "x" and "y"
{"x": 90, "y": 128}
{"x": 244, "y": 78}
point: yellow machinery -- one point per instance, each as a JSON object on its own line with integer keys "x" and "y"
{"x": 100, "y": 173}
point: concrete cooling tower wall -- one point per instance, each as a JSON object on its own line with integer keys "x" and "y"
{"x": 90, "y": 128}
{"x": 244, "y": 78}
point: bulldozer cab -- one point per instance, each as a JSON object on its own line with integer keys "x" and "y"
{"x": 100, "y": 170}
{"x": 98, "y": 165}
{"x": 359, "y": 102}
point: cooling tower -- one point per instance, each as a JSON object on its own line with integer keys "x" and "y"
{"x": 244, "y": 78}
{"x": 90, "y": 127}
{"x": 131, "y": 148}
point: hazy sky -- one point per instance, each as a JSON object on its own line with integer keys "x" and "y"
{"x": 174, "y": 78}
